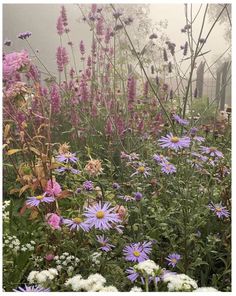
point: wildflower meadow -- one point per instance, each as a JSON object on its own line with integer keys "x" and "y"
{"x": 116, "y": 172}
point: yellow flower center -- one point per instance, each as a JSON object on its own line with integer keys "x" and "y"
{"x": 174, "y": 139}
{"x": 218, "y": 209}
{"x": 174, "y": 260}
{"x": 100, "y": 214}
{"x": 141, "y": 169}
{"x": 77, "y": 220}
{"x": 39, "y": 197}
{"x": 136, "y": 253}
{"x": 67, "y": 155}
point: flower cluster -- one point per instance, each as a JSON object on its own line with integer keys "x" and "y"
{"x": 94, "y": 283}
{"x": 44, "y": 277}
{"x": 28, "y": 247}
{"x": 66, "y": 262}
{"x": 11, "y": 242}
{"x": 179, "y": 283}
{"x": 5, "y": 213}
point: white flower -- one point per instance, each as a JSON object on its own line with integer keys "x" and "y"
{"x": 136, "y": 289}
{"x": 94, "y": 278}
{"x": 179, "y": 282}
{"x": 206, "y": 289}
{"x": 148, "y": 267}
{"x": 56, "y": 258}
{"x": 23, "y": 249}
{"x": 53, "y": 271}
{"x": 59, "y": 267}
{"x": 41, "y": 277}
{"x": 11, "y": 246}
{"x": 31, "y": 276}
{"x": 109, "y": 289}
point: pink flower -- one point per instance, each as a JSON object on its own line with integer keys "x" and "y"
{"x": 49, "y": 257}
{"x": 14, "y": 62}
{"x": 53, "y": 188}
{"x": 53, "y": 220}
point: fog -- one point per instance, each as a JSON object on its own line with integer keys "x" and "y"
{"x": 41, "y": 20}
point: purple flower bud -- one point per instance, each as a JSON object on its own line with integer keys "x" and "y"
{"x": 24, "y": 35}
{"x": 88, "y": 186}
{"x": 115, "y": 186}
{"x": 82, "y": 47}
{"x": 138, "y": 196}
{"x": 7, "y": 42}
{"x": 62, "y": 58}
{"x": 60, "y": 26}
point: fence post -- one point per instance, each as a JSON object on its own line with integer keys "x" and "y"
{"x": 200, "y": 77}
{"x": 223, "y": 85}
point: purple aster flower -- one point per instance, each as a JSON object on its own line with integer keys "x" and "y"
{"x": 137, "y": 252}
{"x": 33, "y": 288}
{"x": 174, "y": 142}
{"x": 173, "y": 259}
{"x": 212, "y": 151}
{"x": 67, "y": 157}
{"x": 159, "y": 158}
{"x": 133, "y": 275}
{"x": 101, "y": 217}
{"x": 168, "y": 168}
{"x": 127, "y": 197}
{"x": 104, "y": 242}
{"x": 180, "y": 120}
{"x": 199, "y": 156}
{"x": 138, "y": 196}
{"x": 193, "y": 131}
{"x": 115, "y": 186}
{"x": 34, "y": 201}
{"x": 219, "y": 210}
{"x": 24, "y": 35}
{"x": 88, "y": 186}
{"x": 198, "y": 139}
{"x": 76, "y": 224}
{"x": 141, "y": 170}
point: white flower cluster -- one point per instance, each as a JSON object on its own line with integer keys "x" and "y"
{"x": 5, "y": 214}
{"x": 136, "y": 289}
{"x": 147, "y": 267}
{"x": 11, "y": 242}
{"x": 206, "y": 289}
{"x": 28, "y": 247}
{"x": 95, "y": 257}
{"x": 179, "y": 282}
{"x": 43, "y": 277}
{"x": 66, "y": 261}
{"x": 94, "y": 283}
{"x": 36, "y": 260}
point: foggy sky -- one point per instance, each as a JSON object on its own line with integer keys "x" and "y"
{"x": 41, "y": 19}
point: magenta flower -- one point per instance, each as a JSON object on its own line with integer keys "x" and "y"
{"x": 219, "y": 210}
{"x": 49, "y": 257}
{"x": 60, "y": 26}
{"x": 105, "y": 246}
{"x": 31, "y": 289}
{"x": 174, "y": 142}
{"x": 137, "y": 252}
{"x": 76, "y": 224}
{"x": 212, "y": 151}
{"x": 53, "y": 188}
{"x": 82, "y": 47}
{"x": 180, "y": 120}
{"x": 168, "y": 168}
{"x": 62, "y": 58}
{"x": 67, "y": 157}
{"x": 53, "y": 220}
{"x": 173, "y": 259}
{"x": 101, "y": 217}
{"x": 34, "y": 201}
